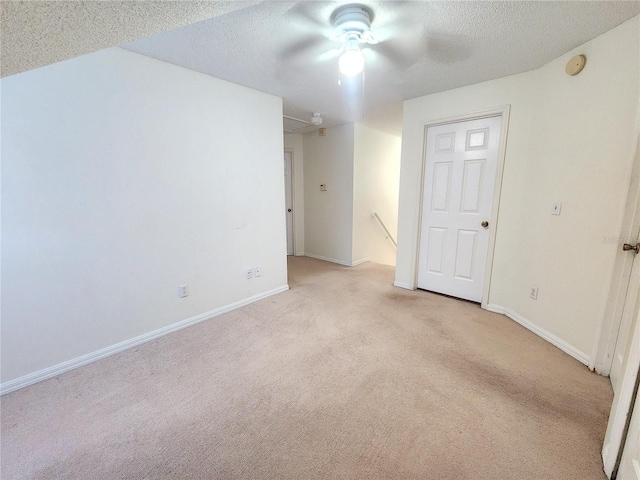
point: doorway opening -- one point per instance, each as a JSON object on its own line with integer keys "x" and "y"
{"x": 288, "y": 199}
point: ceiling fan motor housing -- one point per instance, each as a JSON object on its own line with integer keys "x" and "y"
{"x": 352, "y": 19}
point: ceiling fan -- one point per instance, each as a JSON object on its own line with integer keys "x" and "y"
{"x": 396, "y": 39}
{"x": 352, "y": 25}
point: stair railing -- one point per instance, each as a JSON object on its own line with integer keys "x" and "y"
{"x": 389, "y": 236}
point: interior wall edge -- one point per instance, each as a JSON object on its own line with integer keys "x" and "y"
{"x": 359, "y": 262}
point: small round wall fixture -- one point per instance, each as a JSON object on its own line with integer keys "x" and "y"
{"x": 575, "y": 65}
{"x": 316, "y": 119}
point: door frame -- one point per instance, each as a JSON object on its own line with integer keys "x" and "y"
{"x": 293, "y": 199}
{"x": 604, "y": 344}
{"x": 622, "y": 406}
{"x": 504, "y": 112}
{"x": 631, "y": 442}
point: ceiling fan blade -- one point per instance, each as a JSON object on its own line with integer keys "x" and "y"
{"x": 446, "y": 48}
{"x": 304, "y": 19}
{"x": 302, "y": 48}
{"x": 401, "y": 40}
{"x": 329, "y": 54}
{"x": 310, "y": 42}
{"x": 302, "y": 56}
{"x": 337, "y": 37}
{"x": 370, "y": 38}
{"x": 400, "y": 56}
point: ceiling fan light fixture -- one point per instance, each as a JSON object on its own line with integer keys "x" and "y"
{"x": 352, "y": 18}
{"x": 351, "y": 62}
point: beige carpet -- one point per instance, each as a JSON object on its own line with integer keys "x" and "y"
{"x": 342, "y": 377}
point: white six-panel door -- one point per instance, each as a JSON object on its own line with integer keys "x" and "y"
{"x": 459, "y": 178}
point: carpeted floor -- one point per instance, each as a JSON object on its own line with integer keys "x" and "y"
{"x": 342, "y": 377}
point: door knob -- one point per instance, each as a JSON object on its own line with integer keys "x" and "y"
{"x": 636, "y": 248}
{"x": 288, "y": 209}
{"x": 485, "y": 224}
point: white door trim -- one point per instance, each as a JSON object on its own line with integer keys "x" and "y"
{"x": 629, "y": 465}
{"x": 604, "y": 344}
{"x": 622, "y": 403}
{"x": 504, "y": 112}
{"x": 293, "y": 198}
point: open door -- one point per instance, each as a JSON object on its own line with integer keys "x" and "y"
{"x": 626, "y": 320}
{"x": 611, "y": 343}
{"x": 620, "y": 344}
{"x": 620, "y": 453}
{"x": 630, "y": 461}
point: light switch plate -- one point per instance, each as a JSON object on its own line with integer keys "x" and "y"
{"x": 555, "y": 208}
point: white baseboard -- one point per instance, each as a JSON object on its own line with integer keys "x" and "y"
{"x": 339, "y": 262}
{"x": 359, "y": 262}
{"x": 299, "y": 254}
{"x": 403, "y": 285}
{"x": 541, "y": 332}
{"x": 496, "y": 308}
{"x": 55, "y": 370}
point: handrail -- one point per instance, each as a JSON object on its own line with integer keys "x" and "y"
{"x": 389, "y": 236}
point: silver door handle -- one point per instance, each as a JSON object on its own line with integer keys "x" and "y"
{"x": 485, "y": 224}
{"x": 288, "y": 209}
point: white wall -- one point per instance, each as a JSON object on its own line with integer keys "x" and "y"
{"x": 329, "y": 215}
{"x": 375, "y": 188}
{"x": 570, "y": 139}
{"x": 122, "y": 178}
{"x": 293, "y": 142}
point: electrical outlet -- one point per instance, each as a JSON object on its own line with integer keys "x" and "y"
{"x": 249, "y": 273}
{"x": 183, "y": 291}
{"x": 256, "y": 271}
{"x": 533, "y": 292}
{"x": 323, "y": 187}
{"x": 555, "y": 208}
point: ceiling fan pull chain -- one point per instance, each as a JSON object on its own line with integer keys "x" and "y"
{"x": 364, "y": 71}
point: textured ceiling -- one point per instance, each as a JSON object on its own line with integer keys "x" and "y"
{"x": 282, "y": 47}
{"x": 35, "y": 33}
